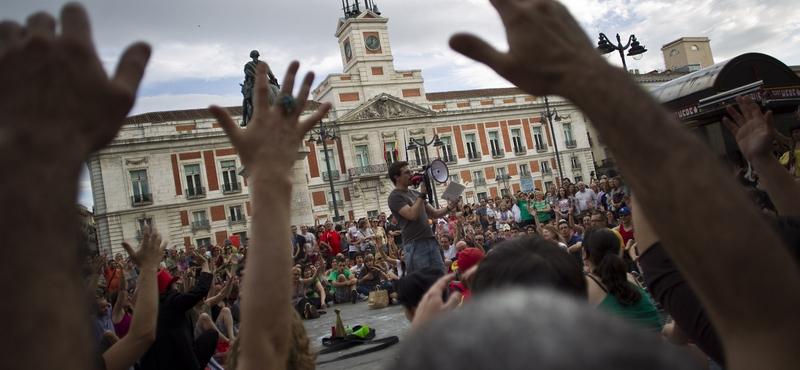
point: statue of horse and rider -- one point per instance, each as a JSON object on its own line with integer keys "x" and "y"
{"x": 250, "y": 70}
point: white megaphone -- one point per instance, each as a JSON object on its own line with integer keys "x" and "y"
{"x": 436, "y": 170}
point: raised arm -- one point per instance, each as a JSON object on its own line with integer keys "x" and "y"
{"x": 752, "y": 130}
{"x": 122, "y": 293}
{"x": 268, "y": 150}
{"x": 709, "y": 254}
{"x": 142, "y": 333}
{"x": 57, "y": 106}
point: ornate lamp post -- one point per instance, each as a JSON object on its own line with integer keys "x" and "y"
{"x": 327, "y": 131}
{"x": 605, "y": 46}
{"x": 414, "y": 144}
{"x": 549, "y": 116}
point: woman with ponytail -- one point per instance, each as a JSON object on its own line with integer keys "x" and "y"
{"x": 610, "y": 287}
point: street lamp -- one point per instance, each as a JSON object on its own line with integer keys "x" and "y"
{"x": 550, "y": 116}
{"x": 504, "y": 179}
{"x": 605, "y": 46}
{"x": 325, "y": 132}
{"x": 414, "y": 144}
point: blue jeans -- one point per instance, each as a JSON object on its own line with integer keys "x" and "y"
{"x": 361, "y": 289}
{"x": 423, "y": 253}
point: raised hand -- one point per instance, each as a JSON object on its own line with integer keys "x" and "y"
{"x": 274, "y": 134}
{"x": 754, "y": 131}
{"x": 546, "y": 45}
{"x": 151, "y": 250}
{"x": 60, "y": 100}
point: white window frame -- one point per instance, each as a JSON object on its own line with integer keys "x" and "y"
{"x": 471, "y": 145}
{"x": 198, "y": 175}
{"x": 494, "y": 143}
{"x": 516, "y": 140}
{"x": 362, "y": 157}
{"x": 538, "y": 138}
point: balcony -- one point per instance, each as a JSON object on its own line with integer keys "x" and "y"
{"x": 474, "y": 156}
{"x": 142, "y": 199}
{"x": 327, "y": 175}
{"x": 449, "y": 158}
{"x": 234, "y": 187}
{"x": 571, "y": 143}
{"x": 339, "y": 203}
{"x": 520, "y": 150}
{"x": 201, "y": 225}
{"x": 373, "y": 170}
{"x": 525, "y": 174}
{"x": 479, "y": 182}
{"x": 193, "y": 193}
{"x": 541, "y": 148}
{"x": 547, "y": 171}
{"x": 236, "y": 220}
{"x": 499, "y": 153}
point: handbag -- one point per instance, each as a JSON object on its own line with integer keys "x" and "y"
{"x": 378, "y": 298}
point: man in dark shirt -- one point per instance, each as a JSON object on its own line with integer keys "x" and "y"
{"x": 174, "y": 347}
{"x": 394, "y": 231}
{"x": 412, "y": 213}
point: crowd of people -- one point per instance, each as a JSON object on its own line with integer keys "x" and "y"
{"x": 559, "y": 278}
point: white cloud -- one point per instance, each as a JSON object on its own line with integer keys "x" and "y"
{"x": 167, "y": 102}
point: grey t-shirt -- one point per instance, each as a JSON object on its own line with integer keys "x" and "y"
{"x": 412, "y": 230}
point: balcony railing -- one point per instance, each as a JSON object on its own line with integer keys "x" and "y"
{"x": 234, "y": 187}
{"x": 499, "y": 153}
{"x": 519, "y": 150}
{"x": 571, "y": 143}
{"x": 326, "y": 175}
{"x": 199, "y": 225}
{"x": 339, "y": 203}
{"x": 474, "y": 156}
{"x": 525, "y": 174}
{"x": 142, "y": 199}
{"x": 547, "y": 171}
{"x": 479, "y": 182}
{"x": 375, "y": 169}
{"x": 237, "y": 220}
{"x": 192, "y": 193}
{"x": 541, "y": 147}
{"x": 449, "y": 158}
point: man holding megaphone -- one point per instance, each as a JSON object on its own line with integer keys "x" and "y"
{"x": 412, "y": 211}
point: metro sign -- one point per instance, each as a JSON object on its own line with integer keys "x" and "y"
{"x": 687, "y": 111}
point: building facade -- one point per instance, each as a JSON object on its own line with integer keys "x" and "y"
{"x": 178, "y": 172}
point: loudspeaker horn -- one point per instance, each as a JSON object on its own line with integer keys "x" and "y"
{"x": 438, "y": 171}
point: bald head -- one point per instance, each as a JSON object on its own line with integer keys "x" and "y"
{"x": 461, "y": 245}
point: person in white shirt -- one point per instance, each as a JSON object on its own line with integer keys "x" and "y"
{"x": 585, "y": 199}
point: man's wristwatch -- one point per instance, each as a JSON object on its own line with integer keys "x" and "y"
{"x": 422, "y": 196}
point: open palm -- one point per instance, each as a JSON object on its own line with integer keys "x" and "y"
{"x": 753, "y": 130}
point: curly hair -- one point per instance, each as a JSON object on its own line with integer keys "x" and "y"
{"x": 301, "y": 357}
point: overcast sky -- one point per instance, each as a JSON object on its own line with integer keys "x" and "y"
{"x": 200, "y": 46}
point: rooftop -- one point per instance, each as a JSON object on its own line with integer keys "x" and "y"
{"x": 478, "y": 93}
{"x": 192, "y": 114}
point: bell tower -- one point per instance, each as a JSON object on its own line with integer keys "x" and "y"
{"x": 367, "y": 62}
{"x": 364, "y": 39}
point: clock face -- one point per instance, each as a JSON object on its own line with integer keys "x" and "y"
{"x": 373, "y": 43}
{"x": 347, "y": 52}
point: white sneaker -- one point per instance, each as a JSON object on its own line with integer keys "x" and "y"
{"x": 364, "y": 297}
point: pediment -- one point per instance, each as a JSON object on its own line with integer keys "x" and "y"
{"x": 385, "y": 106}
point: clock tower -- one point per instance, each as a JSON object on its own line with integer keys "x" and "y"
{"x": 367, "y": 62}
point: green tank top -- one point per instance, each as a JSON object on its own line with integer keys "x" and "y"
{"x": 643, "y": 313}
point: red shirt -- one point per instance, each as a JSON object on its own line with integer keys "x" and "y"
{"x": 332, "y": 238}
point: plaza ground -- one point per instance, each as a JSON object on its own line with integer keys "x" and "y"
{"x": 387, "y": 322}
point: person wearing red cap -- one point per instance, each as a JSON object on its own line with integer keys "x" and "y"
{"x": 466, "y": 259}
{"x": 174, "y": 347}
